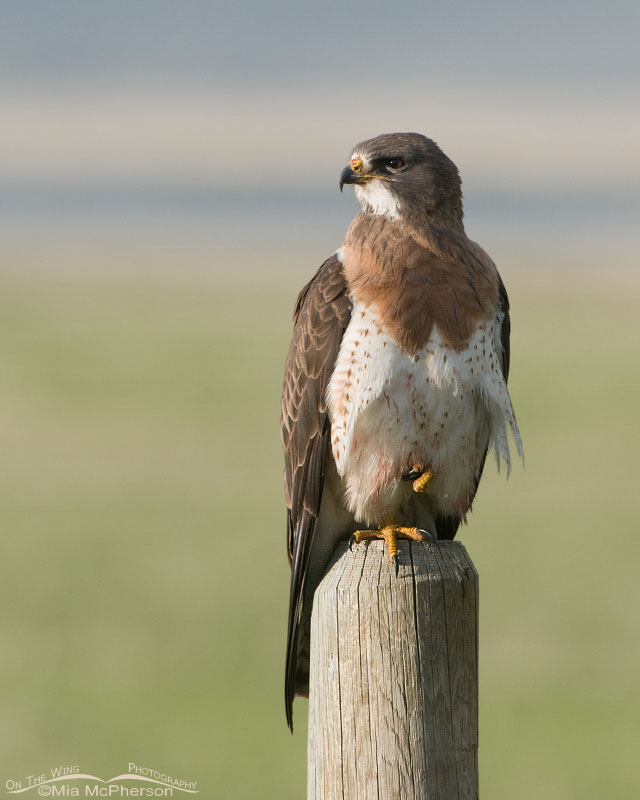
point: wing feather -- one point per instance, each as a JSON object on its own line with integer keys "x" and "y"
{"x": 505, "y": 333}
{"x": 321, "y": 315}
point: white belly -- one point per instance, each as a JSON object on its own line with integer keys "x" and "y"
{"x": 390, "y": 410}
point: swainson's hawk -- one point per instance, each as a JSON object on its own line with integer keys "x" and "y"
{"x": 396, "y": 379}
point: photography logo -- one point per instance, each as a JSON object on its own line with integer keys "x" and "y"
{"x": 68, "y": 781}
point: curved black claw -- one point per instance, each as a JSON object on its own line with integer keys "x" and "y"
{"x": 428, "y": 537}
{"x": 352, "y": 541}
{"x": 412, "y": 475}
{"x": 396, "y": 563}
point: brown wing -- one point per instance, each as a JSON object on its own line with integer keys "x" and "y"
{"x": 505, "y": 333}
{"x": 321, "y": 316}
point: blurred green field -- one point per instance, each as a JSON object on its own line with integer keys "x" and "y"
{"x": 143, "y": 566}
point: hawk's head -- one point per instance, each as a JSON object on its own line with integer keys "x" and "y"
{"x": 405, "y": 175}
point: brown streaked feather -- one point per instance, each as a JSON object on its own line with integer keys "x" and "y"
{"x": 447, "y": 526}
{"x": 321, "y": 316}
{"x": 416, "y": 281}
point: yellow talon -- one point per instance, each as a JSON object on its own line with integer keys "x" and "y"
{"x": 390, "y": 534}
{"x": 420, "y": 484}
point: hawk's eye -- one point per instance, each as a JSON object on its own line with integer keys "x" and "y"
{"x": 394, "y": 164}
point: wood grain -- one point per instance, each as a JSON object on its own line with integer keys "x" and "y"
{"x": 393, "y": 704}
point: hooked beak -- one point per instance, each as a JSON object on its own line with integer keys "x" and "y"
{"x": 348, "y": 176}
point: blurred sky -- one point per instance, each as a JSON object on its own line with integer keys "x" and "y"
{"x": 214, "y": 119}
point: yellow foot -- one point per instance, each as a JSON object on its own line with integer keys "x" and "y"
{"x": 420, "y": 484}
{"x": 390, "y": 534}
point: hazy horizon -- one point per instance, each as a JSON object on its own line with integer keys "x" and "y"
{"x": 209, "y": 119}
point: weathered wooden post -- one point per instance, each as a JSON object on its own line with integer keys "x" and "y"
{"x": 393, "y": 704}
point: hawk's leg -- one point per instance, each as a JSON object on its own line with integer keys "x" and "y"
{"x": 390, "y": 535}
